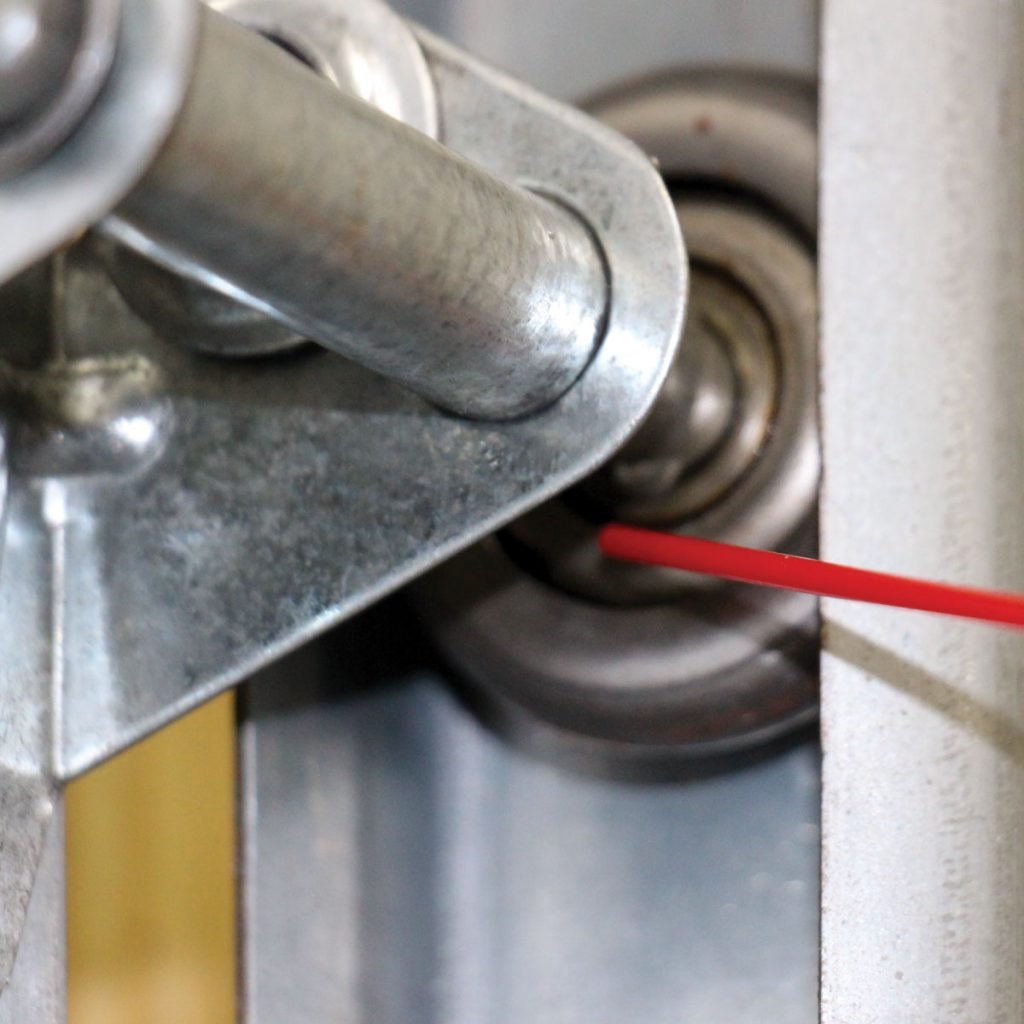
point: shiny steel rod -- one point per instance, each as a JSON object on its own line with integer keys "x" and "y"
{"x": 366, "y": 236}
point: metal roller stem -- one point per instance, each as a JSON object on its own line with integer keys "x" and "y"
{"x": 366, "y": 236}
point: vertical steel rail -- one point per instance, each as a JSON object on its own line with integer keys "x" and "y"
{"x": 923, "y": 719}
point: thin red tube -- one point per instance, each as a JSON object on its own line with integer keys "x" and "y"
{"x": 790, "y": 572}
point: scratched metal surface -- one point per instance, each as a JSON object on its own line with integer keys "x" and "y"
{"x": 923, "y": 303}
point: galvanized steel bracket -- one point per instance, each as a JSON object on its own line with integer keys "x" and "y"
{"x": 176, "y": 522}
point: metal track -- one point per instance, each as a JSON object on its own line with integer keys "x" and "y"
{"x": 923, "y": 718}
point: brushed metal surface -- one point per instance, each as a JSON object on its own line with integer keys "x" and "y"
{"x": 402, "y": 864}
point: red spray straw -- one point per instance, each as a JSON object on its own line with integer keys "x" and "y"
{"x": 790, "y": 572}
